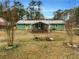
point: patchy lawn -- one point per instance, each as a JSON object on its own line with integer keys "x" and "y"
{"x": 30, "y": 49}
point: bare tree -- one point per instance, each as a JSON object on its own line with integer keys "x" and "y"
{"x": 70, "y": 24}
{"x": 12, "y": 14}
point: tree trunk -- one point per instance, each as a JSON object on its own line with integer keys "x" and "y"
{"x": 10, "y": 34}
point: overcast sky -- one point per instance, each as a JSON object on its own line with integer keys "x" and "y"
{"x": 49, "y": 6}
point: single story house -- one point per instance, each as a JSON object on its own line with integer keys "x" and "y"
{"x": 40, "y": 25}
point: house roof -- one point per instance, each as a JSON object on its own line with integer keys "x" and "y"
{"x": 43, "y": 21}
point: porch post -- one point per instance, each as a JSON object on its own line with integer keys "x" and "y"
{"x": 49, "y": 28}
{"x": 30, "y": 26}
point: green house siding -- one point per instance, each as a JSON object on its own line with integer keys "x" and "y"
{"x": 23, "y": 26}
{"x": 57, "y": 26}
{"x": 28, "y": 26}
{"x": 60, "y": 27}
{"x": 20, "y": 26}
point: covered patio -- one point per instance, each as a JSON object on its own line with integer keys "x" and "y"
{"x": 40, "y": 27}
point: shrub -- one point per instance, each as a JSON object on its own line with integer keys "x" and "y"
{"x": 43, "y": 39}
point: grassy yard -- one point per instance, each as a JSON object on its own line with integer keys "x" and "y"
{"x": 31, "y": 49}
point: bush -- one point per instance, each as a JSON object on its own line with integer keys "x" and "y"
{"x": 43, "y": 39}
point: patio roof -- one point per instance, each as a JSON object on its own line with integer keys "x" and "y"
{"x": 43, "y": 21}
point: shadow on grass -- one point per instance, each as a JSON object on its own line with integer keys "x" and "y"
{"x": 6, "y": 48}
